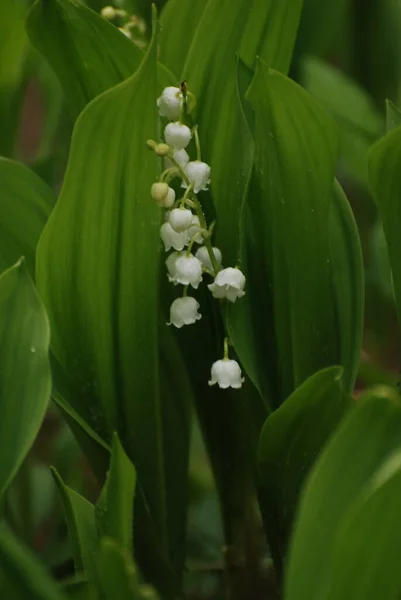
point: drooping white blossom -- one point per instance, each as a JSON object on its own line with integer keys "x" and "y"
{"x": 180, "y": 219}
{"x": 180, "y": 156}
{"x": 203, "y": 255}
{"x": 177, "y": 135}
{"x": 169, "y": 103}
{"x": 170, "y": 264}
{"x": 226, "y": 373}
{"x": 198, "y": 174}
{"x": 184, "y": 311}
{"x": 229, "y": 283}
{"x": 188, "y": 270}
{"x": 171, "y": 238}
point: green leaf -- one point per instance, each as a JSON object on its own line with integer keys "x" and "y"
{"x": 347, "y": 275}
{"x": 179, "y": 21}
{"x": 81, "y": 521}
{"x": 103, "y": 297}
{"x": 385, "y": 180}
{"x": 115, "y": 506}
{"x": 262, "y": 27}
{"x": 99, "y": 56}
{"x": 290, "y": 441}
{"x": 21, "y": 573}
{"x": 358, "y": 570}
{"x": 340, "y": 510}
{"x": 116, "y": 573}
{"x": 290, "y": 304}
{"x": 320, "y": 22}
{"x": 25, "y": 205}
{"x": 358, "y": 119}
{"x": 13, "y": 43}
{"x": 25, "y": 379}
{"x": 393, "y": 116}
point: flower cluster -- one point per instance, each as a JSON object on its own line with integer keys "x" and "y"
{"x": 185, "y": 230}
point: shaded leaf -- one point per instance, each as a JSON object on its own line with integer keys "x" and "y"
{"x": 25, "y": 378}
{"x": 290, "y": 441}
{"x": 338, "y": 505}
{"x": 393, "y": 116}
{"x": 81, "y": 522}
{"x": 115, "y": 506}
{"x": 385, "y": 180}
{"x": 99, "y": 56}
{"x": 25, "y": 205}
{"x": 22, "y": 574}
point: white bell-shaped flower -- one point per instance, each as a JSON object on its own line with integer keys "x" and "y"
{"x": 170, "y": 264}
{"x": 198, "y": 174}
{"x": 188, "y": 270}
{"x": 169, "y": 103}
{"x": 184, "y": 311}
{"x": 194, "y": 230}
{"x": 180, "y": 219}
{"x": 177, "y": 135}
{"x": 171, "y": 238}
{"x": 228, "y": 283}
{"x": 163, "y": 194}
{"x": 180, "y": 156}
{"x": 226, "y": 373}
{"x": 203, "y": 255}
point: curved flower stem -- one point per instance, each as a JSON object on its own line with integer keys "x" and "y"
{"x": 197, "y": 144}
{"x": 208, "y": 243}
{"x": 185, "y": 291}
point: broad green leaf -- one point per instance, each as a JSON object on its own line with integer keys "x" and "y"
{"x": 261, "y": 27}
{"x": 359, "y": 571}
{"x": 25, "y": 205}
{"x": 81, "y": 522}
{"x": 99, "y": 56}
{"x": 393, "y": 116}
{"x": 289, "y": 304}
{"x": 115, "y": 506}
{"x": 179, "y": 21}
{"x": 346, "y": 269}
{"x": 385, "y": 180}
{"x": 339, "y": 502}
{"x": 25, "y": 379}
{"x": 103, "y": 297}
{"x": 22, "y": 575}
{"x": 290, "y": 441}
{"x": 13, "y": 43}
{"x": 358, "y": 119}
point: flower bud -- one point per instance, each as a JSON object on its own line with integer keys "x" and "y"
{"x": 177, "y": 135}
{"x": 180, "y": 219}
{"x": 228, "y": 283}
{"x": 162, "y": 194}
{"x": 108, "y": 12}
{"x": 184, "y": 311}
{"x": 170, "y": 264}
{"x": 169, "y": 103}
{"x": 203, "y": 255}
{"x": 162, "y": 149}
{"x": 198, "y": 174}
{"x": 172, "y": 239}
{"x": 151, "y": 144}
{"x": 226, "y": 373}
{"x": 188, "y": 270}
